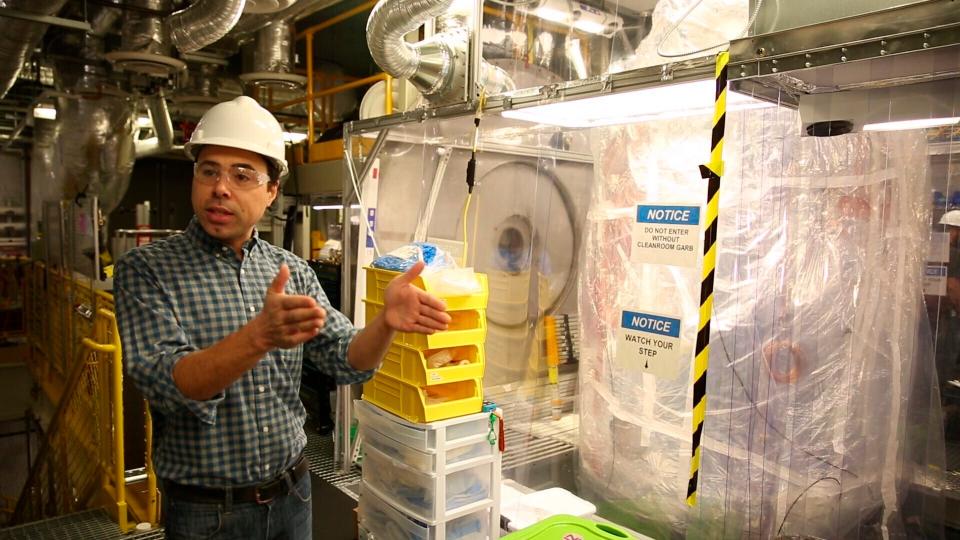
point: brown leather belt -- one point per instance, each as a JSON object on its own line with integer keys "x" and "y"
{"x": 262, "y": 493}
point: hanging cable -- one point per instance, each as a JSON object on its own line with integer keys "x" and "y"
{"x": 472, "y": 171}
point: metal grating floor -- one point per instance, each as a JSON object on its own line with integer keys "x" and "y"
{"x": 319, "y": 451}
{"x": 90, "y": 524}
{"x": 531, "y": 433}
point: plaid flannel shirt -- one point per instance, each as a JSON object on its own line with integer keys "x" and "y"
{"x": 187, "y": 292}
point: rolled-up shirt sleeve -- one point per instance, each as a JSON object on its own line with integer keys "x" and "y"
{"x": 328, "y": 350}
{"x": 153, "y": 340}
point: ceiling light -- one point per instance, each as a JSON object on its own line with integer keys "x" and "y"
{"x": 45, "y": 112}
{"x": 657, "y": 103}
{"x": 144, "y": 122}
{"x": 294, "y": 137}
{"x": 922, "y": 123}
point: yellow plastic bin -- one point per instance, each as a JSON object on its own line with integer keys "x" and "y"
{"x": 378, "y": 279}
{"x": 411, "y": 365}
{"x": 467, "y": 327}
{"x": 424, "y": 404}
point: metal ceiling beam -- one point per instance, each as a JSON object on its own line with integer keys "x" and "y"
{"x": 46, "y": 19}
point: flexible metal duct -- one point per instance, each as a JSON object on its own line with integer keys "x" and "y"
{"x": 143, "y": 32}
{"x": 389, "y": 21}
{"x": 435, "y": 66}
{"x": 273, "y": 50}
{"x": 203, "y": 23}
{"x": 18, "y": 38}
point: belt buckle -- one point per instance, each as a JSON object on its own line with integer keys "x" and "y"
{"x": 256, "y": 496}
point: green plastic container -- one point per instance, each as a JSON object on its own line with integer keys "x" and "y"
{"x": 563, "y": 527}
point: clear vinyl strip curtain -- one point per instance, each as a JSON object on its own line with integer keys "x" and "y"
{"x": 819, "y": 370}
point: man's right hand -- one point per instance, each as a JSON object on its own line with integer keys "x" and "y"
{"x": 286, "y": 320}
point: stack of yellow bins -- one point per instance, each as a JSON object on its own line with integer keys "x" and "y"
{"x": 408, "y": 383}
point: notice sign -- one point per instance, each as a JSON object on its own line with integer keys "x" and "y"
{"x": 935, "y": 280}
{"x": 650, "y": 343}
{"x": 666, "y": 235}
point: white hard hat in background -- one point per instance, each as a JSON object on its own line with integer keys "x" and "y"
{"x": 241, "y": 123}
{"x": 951, "y": 218}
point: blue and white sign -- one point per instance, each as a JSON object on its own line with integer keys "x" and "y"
{"x": 649, "y": 342}
{"x": 935, "y": 279}
{"x": 666, "y": 234}
{"x": 371, "y": 226}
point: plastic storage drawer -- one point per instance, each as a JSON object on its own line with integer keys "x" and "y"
{"x": 467, "y": 327}
{"x": 388, "y": 523}
{"x": 415, "y": 492}
{"x": 410, "y": 365}
{"x": 378, "y": 279}
{"x": 424, "y": 437}
{"x": 424, "y": 404}
{"x": 423, "y": 461}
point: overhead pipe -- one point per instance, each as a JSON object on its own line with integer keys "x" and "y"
{"x": 162, "y": 142}
{"x": 18, "y": 37}
{"x": 203, "y": 22}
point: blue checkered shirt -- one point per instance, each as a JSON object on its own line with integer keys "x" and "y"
{"x": 187, "y": 292}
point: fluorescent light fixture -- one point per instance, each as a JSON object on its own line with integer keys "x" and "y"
{"x": 144, "y": 122}
{"x": 581, "y": 16}
{"x": 589, "y": 26}
{"x": 922, "y": 123}
{"x": 657, "y": 103}
{"x": 549, "y": 13}
{"x": 45, "y": 112}
{"x": 334, "y": 207}
{"x": 294, "y": 137}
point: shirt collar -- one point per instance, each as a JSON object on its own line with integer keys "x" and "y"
{"x": 195, "y": 232}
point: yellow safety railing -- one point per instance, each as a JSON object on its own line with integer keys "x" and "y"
{"x": 72, "y": 330}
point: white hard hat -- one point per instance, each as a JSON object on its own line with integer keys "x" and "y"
{"x": 951, "y": 218}
{"x": 240, "y": 123}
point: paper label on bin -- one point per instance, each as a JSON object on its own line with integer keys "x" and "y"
{"x": 650, "y": 343}
{"x": 666, "y": 235}
{"x": 935, "y": 280}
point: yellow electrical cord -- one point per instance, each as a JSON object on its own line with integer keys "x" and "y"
{"x": 471, "y": 170}
{"x": 466, "y": 207}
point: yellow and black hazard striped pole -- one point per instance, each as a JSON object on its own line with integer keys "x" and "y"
{"x": 712, "y": 173}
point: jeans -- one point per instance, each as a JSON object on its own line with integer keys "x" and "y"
{"x": 285, "y": 518}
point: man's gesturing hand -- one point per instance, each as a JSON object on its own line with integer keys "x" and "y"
{"x": 410, "y": 309}
{"x": 286, "y": 320}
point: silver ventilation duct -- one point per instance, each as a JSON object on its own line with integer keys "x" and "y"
{"x": 18, "y": 38}
{"x": 46, "y": 172}
{"x": 273, "y": 50}
{"x": 273, "y": 59}
{"x": 162, "y": 126}
{"x": 203, "y": 23}
{"x": 249, "y": 24}
{"x": 435, "y": 66}
{"x": 98, "y": 154}
{"x": 389, "y": 21}
{"x": 143, "y": 32}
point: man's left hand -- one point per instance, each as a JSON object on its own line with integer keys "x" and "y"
{"x": 411, "y": 309}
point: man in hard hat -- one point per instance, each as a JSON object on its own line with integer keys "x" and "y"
{"x": 947, "y": 338}
{"x": 215, "y": 324}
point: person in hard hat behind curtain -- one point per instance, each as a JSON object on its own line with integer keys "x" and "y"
{"x": 945, "y": 317}
{"x": 215, "y": 324}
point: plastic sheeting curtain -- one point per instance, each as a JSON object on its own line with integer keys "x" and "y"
{"x": 823, "y": 412}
